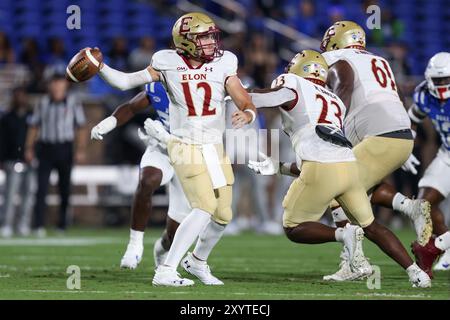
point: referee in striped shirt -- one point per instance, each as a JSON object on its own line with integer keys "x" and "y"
{"x": 58, "y": 120}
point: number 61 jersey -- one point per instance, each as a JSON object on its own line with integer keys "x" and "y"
{"x": 375, "y": 104}
{"x": 315, "y": 107}
{"x": 196, "y": 94}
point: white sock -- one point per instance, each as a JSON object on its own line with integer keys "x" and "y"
{"x": 443, "y": 241}
{"x": 136, "y": 237}
{"x": 338, "y": 215}
{"x": 186, "y": 234}
{"x": 158, "y": 246}
{"x": 207, "y": 239}
{"x": 412, "y": 267}
{"x": 398, "y": 201}
{"x": 339, "y": 234}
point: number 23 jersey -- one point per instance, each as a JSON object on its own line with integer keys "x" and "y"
{"x": 314, "y": 105}
{"x": 196, "y": 94}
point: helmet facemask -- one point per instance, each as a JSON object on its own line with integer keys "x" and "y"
{"x": 439, "y": 87}
{"x": 207, "y": 50}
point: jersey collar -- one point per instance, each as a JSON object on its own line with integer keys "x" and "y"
{"x": 186, "y": 61}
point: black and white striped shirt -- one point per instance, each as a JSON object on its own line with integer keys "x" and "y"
{"x": 57, "y": 121}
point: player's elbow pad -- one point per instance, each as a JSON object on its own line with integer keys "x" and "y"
{"x": 125, "y": 81}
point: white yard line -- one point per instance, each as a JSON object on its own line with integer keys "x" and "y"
{"x": 67, "y": 241}
{"x": 367, "y": 295}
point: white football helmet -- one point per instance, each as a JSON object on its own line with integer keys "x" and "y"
{"x": 437, "y": 75}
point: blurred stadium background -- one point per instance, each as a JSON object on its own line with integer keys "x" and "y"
{"x": 264, "y": 34}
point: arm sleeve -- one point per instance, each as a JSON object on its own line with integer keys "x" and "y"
{"x": 273, "y": 99}
{"x": 125, "y": 81}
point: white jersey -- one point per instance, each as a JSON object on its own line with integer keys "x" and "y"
{"x": 197, "y": 95}
{"x": 375, "y": 104}
{"x": 314, "y": 106}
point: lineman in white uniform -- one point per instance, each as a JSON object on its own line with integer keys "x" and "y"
{"x": 377, "y": 125}
{"x": 313, "y": 118}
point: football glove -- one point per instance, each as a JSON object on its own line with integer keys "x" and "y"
{"x": 410, "y": 164}
{"x": 103, "y": 128}
{"x": 267, "y": 167}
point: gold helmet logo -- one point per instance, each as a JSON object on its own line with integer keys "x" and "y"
{"x": 309, "y": 64}
{"x": 343, "y": 34}
{"x": 197, "y": 36}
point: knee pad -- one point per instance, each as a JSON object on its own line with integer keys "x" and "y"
{"x": 223, "y": 215}
{"x": 207, "y": 204}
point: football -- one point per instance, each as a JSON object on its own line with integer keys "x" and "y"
{"x": 84, "y": 65}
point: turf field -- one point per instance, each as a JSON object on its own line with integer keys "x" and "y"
{"x": 252, "y": 267}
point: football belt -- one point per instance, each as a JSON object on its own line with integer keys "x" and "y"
{"x": 333, "y": 135}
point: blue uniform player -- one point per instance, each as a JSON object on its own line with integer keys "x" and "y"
{"x": 160, "y": 101}
{"x": 155, "y": 171}
{"x": 432, "y": 99}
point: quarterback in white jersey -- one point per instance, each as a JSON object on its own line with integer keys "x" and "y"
{"x": 376, "y": 123}
{"x": 197, "y": 76}
{"x": 197, "y": 93}
{"x": 155, "y": 171}
{"x": 312, "y": 117}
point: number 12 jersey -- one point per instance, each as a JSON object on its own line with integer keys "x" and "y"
{"x": 196, "y": 94}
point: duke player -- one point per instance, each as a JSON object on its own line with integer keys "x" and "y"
{"x": 155, "y": 171}
{"x": 432, "y": 99}
{"x": 197, "y": 76}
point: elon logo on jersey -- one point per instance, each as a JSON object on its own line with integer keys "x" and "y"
{"x": 197, "y": 76}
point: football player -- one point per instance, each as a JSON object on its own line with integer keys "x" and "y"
{"x": 432, "y": 99}
{"x": 312, "y": 116}
{"x": 376, "y": 123}
{"x": 155, "y": 171}
{"x": 197, "y": 75}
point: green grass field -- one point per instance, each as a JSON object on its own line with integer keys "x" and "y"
{"x": 252, "y": 267}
